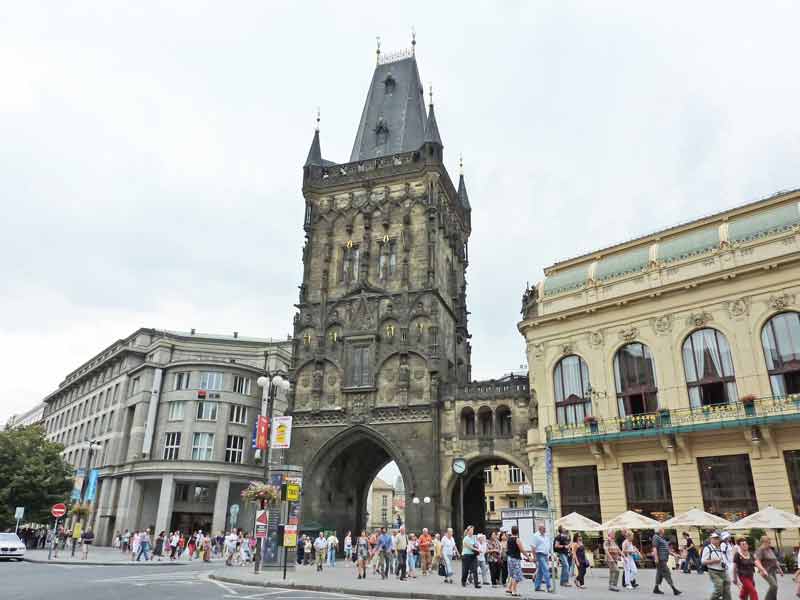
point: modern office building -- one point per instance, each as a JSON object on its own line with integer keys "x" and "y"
{"x": 666, "y": 369}
{"x": 170, "y": 416}
{"x": 29, "y": 417}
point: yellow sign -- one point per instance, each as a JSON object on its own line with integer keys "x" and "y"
{"x": 76, "y": 531}
{"x": 290, "y": 536}
{"x": 292, "y": 492}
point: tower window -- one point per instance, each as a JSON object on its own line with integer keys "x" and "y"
{"x": 351, "y": 258}
{"x": 387, "y": 259}
{"x": 359, "y": 367}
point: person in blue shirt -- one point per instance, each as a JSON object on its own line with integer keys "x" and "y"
{"x": 385, "y": 551}
{"x": 541, "y": 545}
{"x": 469, "y": 557}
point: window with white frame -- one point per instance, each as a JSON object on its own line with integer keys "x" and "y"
{"x": 172, "y": 445}
{"x": 487, "y": 476}
{"x": 238, "y": 414}
{"x": 203, "y": 446}
{"x": 516, "y": 475}
{"x": 206, "y": 411}
{"x": 211, "y": 380}
{"x": 241, "y": 385}
{"x": 176, "y": 411}
{"x": 180, "y": 381}
{"x": 234, "y": 449}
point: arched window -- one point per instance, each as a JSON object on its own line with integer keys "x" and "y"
{"x": 635, "y": 378}
{"x": 781, "y": 341}
{"x": 503, "y": 419}
{"x": 485, "y": 424}
{"x": 467, "y": 422}
{"x": 571, "y": 387}
{"x": 709, "y": 369}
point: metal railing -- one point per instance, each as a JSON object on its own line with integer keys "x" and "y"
{"x": 760, "y": 411}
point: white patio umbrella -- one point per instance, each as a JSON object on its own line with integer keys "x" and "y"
{"x": 768, "y": 518}
{"x": 577, "y": 522}
{"x": 631, "y": 520}
{"x": 696, "y": 518}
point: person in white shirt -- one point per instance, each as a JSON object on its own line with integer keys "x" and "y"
{"x": 542, "y": 546}
{"x": 449, "y": 552}
{"x": 715, "y": 560}
{"x": 320, "y": 547}
{"x": 483, "y": 566}
{"x": 333, "y": 546}
{"x": 348, "y": 547}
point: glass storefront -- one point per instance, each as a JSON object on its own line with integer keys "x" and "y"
{"x": 580, "y": 492}
{"x": 647, "y": 489}
{"x": 727, "y": 485}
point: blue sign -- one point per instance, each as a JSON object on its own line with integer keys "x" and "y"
{"x": 77, "y": 484}
{"x": 255, "y": 434}
{"x": 91, "y": 487}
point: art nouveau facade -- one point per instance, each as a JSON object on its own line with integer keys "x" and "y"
{"x": 666, "y": 369}
{"x": 172, "y": 416}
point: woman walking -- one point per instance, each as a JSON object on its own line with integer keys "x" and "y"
{"x": 362, "y": 555}
{"x": 579, "y": 560}
{"x": 493, "y": 557}
{"x": 629, "y": 555}
{"x": 469, "y": 554}
{"x": 613, "y": 554}
{"x": 503, "y": 558}
{"x": 515, "y": 551}
{"x": 769, "y": 567}
{"x": 449, "y": 552}
{"x": 744, "y": 567}
{"x": 348, "y": 547}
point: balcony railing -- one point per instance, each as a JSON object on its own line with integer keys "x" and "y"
{"x": 762, "y": 411}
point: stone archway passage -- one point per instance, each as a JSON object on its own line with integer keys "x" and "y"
{"x": 336, "y": 487}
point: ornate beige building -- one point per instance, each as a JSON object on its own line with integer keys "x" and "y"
{"x": 667, "y": 368}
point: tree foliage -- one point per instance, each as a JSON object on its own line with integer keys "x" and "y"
{"x": 32, "y": 474}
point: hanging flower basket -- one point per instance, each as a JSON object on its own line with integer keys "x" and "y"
{"x": 749, "y": 403}
{"x": 80, "y": 510}
{"x": 261, "y": 492}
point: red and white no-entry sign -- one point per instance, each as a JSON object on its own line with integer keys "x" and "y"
{"x": 58, "y": 510}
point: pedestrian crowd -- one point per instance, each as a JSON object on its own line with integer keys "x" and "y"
{"x": 496, "y": 559}
{"x": 235, "y": 546}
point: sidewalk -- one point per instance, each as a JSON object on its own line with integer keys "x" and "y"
{"x": 342, "y": 580}
{"x": 102, "y": 556}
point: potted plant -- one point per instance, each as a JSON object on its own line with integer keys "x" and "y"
{"x": 80, "y": 510}
{"x": 591, "y": 422}
{"x": 749, "y": 403}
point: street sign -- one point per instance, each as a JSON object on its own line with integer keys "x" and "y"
{"x": 262, "y": 519}
{"x": 292, "y": 492}
{"x": 58, "y": 510}
{"x": 19, "y": 514}
{"x": 290, "y": 536}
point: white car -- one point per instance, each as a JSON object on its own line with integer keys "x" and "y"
{"x": 11, "y": 546}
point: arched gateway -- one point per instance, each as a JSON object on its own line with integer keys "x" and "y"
{"x": 381, "y": 357}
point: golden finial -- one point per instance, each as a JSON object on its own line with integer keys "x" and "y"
{"x": 316, "y": 128}
{"x": 378, "y": 50}
{"x": 460, "y": 164}
{"x": 430, "y": 92}
{"x": 413, "y": 41}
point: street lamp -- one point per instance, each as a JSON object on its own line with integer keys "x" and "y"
{"x": 269, "y": 387}
{"x": 416, "y": 500}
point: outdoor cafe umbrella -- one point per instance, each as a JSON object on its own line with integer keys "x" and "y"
{"x": 576, "y": 522}
{"x": 696, "y": 518}
{"x": 630, "y": 520}
{"x": 768, "y": 518}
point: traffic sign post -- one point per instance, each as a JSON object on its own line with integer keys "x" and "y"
{"x": 262, "y": 520}
{"x": 58, "y": 511}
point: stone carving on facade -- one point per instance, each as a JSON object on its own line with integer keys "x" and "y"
{"x": 538, "y": 350}
{"x": 317, "y": 378}
{"x": 662, "y": 324}
{"x": 738, "y": 307}
{"x": 628, "y": 334}
{"x": 699, "y": 319}
{"x": 533, "y": 410}
{"x": 596, "y": 339}
{"x": 779, "y": 302}
{"x": 566, "y": 348}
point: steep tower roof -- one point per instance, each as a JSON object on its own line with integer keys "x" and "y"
{"x": 431, "y": 128}
{"x": 315, "y": 153}
{"x": 393, "y": 119}
{"x": 462, "y": 192}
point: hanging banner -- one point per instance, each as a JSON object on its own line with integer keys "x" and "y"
{"x": 262, "y": 432}
{"x": 281, "y": 432}
{"x": 91, "y": 486}
{"x": 290, "y": 536}
{"x": 77, "y": 484}
{"x": 255, "y": 435}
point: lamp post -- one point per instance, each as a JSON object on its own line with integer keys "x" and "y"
{"x": 92, "y": 445}
{"x": 269, "y": 387}
{"x": 416, "y": 501}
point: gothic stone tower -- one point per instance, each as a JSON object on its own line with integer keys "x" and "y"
{"x": 380, "y": 336}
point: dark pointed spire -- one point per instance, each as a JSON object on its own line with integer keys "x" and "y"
{"x": 431, "y": 128}
{"x": 462, "y": 187}
{"x": 315, "y": 152}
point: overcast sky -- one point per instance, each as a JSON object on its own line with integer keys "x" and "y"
{"x": 150, "y": 165}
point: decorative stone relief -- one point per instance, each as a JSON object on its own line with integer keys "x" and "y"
{"x": 699, "y": 319}
{"x": 662, "y": 324}
{"x": 596, "y": 339}
{"x": 628, "y": 334}
{"x": 538, "y": 350}
{"x": 566, "y": 348}
{"x": 780, "y": 302}
{"x": 738, "y": 308}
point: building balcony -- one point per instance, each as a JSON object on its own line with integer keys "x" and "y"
{"x": 767, "y": 411}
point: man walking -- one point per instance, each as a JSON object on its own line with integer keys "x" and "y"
{"x": 333, "y": 546}
{"x": 401, "y": 545}
{"x": 714, "y": 560}
{"x": 561, "y": 547}
{"x": 320, "y": 547}
{"x": 144, "y": 546}
{"x": 661, "y": 556}
{"x": 425, "y": 541}
{"x": 385, "y": 550}
{"x": 541, "y": 545}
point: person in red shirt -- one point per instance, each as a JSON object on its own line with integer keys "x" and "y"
{"x": 425, "y": 542}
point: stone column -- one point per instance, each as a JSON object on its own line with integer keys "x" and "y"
{"x": 130, "y": 501}
{"x": 221, "y": 504}
{"x": 165, "y": 503}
